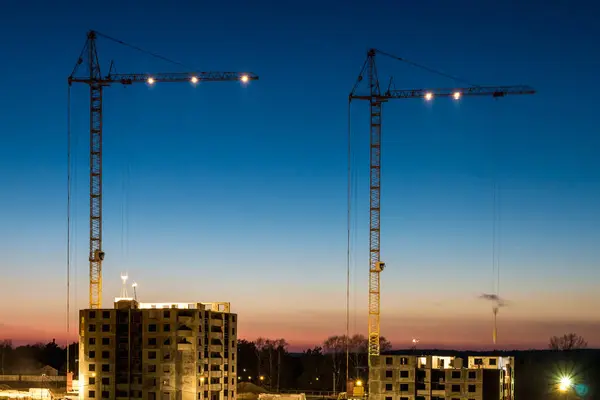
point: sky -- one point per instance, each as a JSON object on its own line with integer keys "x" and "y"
{"x": 226, "y": 192}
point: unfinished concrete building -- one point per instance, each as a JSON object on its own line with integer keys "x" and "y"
{"x": 158, "y": 351}
{"x": 399, "y": 377}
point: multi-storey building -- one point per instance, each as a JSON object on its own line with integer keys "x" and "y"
{"x": 398, "y": 377}
{"x": 164, "y": 351}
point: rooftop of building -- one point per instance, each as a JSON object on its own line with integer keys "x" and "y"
{"x": 128, "y": 302}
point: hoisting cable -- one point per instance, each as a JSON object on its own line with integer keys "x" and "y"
{"x": 123, "y": 211}
{"x": 353, "y": 242}
{"x": 74, "y": 213}
{"x": 495, "y": 297}
{"x": 348, "y": 222}
{"x": 498, "y": 237}
{"x": 494, "y": 208}
{"x": 127, "y": 204}
{"x": 69, "y": 177}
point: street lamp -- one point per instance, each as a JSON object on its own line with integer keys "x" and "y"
{"x": 565, "y": 383}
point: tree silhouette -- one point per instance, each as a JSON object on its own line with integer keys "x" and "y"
{"x": 314, "y": 370}
{"x": 260, "y": 345}
{"x": 246, "y": 358}
{"x": 568, "y": 341}
{"x": 358, "y": 348}
{"x": 29, "y": 359}
{"x": 281, "y": 347}
{"x": 384, "y": 344}
{"x": 335, "y": 347}
{"x": 5, "y": 349}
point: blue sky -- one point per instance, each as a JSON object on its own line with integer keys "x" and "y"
{"x": 239, "y": 193}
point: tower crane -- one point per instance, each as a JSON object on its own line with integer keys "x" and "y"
{"x": 376, "y": 97}
{"x": 97, "y": 82}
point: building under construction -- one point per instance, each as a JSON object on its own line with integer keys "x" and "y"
{"x": 430, "y": 377}
{"x": 158, "y": 351}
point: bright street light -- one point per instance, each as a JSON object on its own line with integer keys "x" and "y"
{"x": 565, "y": 383}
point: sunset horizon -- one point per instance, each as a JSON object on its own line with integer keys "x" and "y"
{"x": 421, "y": 172}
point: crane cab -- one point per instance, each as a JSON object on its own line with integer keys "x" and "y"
{"x": 379, "y": 266}
{"x": 98, "y": 256}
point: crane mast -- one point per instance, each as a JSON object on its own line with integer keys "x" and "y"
{"x": 376, "y": 99}
{"x": 375, "y": 267}
{"x": 96, "y": 82}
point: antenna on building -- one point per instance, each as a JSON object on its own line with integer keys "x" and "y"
{"x": 134, "y": 285}
{"x": 124, "y": 278}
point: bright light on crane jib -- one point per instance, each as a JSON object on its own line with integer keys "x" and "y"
{"x": 456, "y": 95}
{"x": 150, "y": 81}
{"x": 194, "y": 79}
{"x": 428, "y": 96}
{"x": 244, "y": 78}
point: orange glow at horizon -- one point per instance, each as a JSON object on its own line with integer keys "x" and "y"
{"x": 313, "y": 329}
{"x": 464, "y": 320}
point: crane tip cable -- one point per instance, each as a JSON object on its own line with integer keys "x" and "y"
{"x": 348, "y": 236}
{"x": 69, "y": 184}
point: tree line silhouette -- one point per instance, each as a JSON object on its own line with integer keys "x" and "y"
{"x": 267, "y": 363}
{"x": 26, "y": 360}
{"x": 264, "y": 362}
